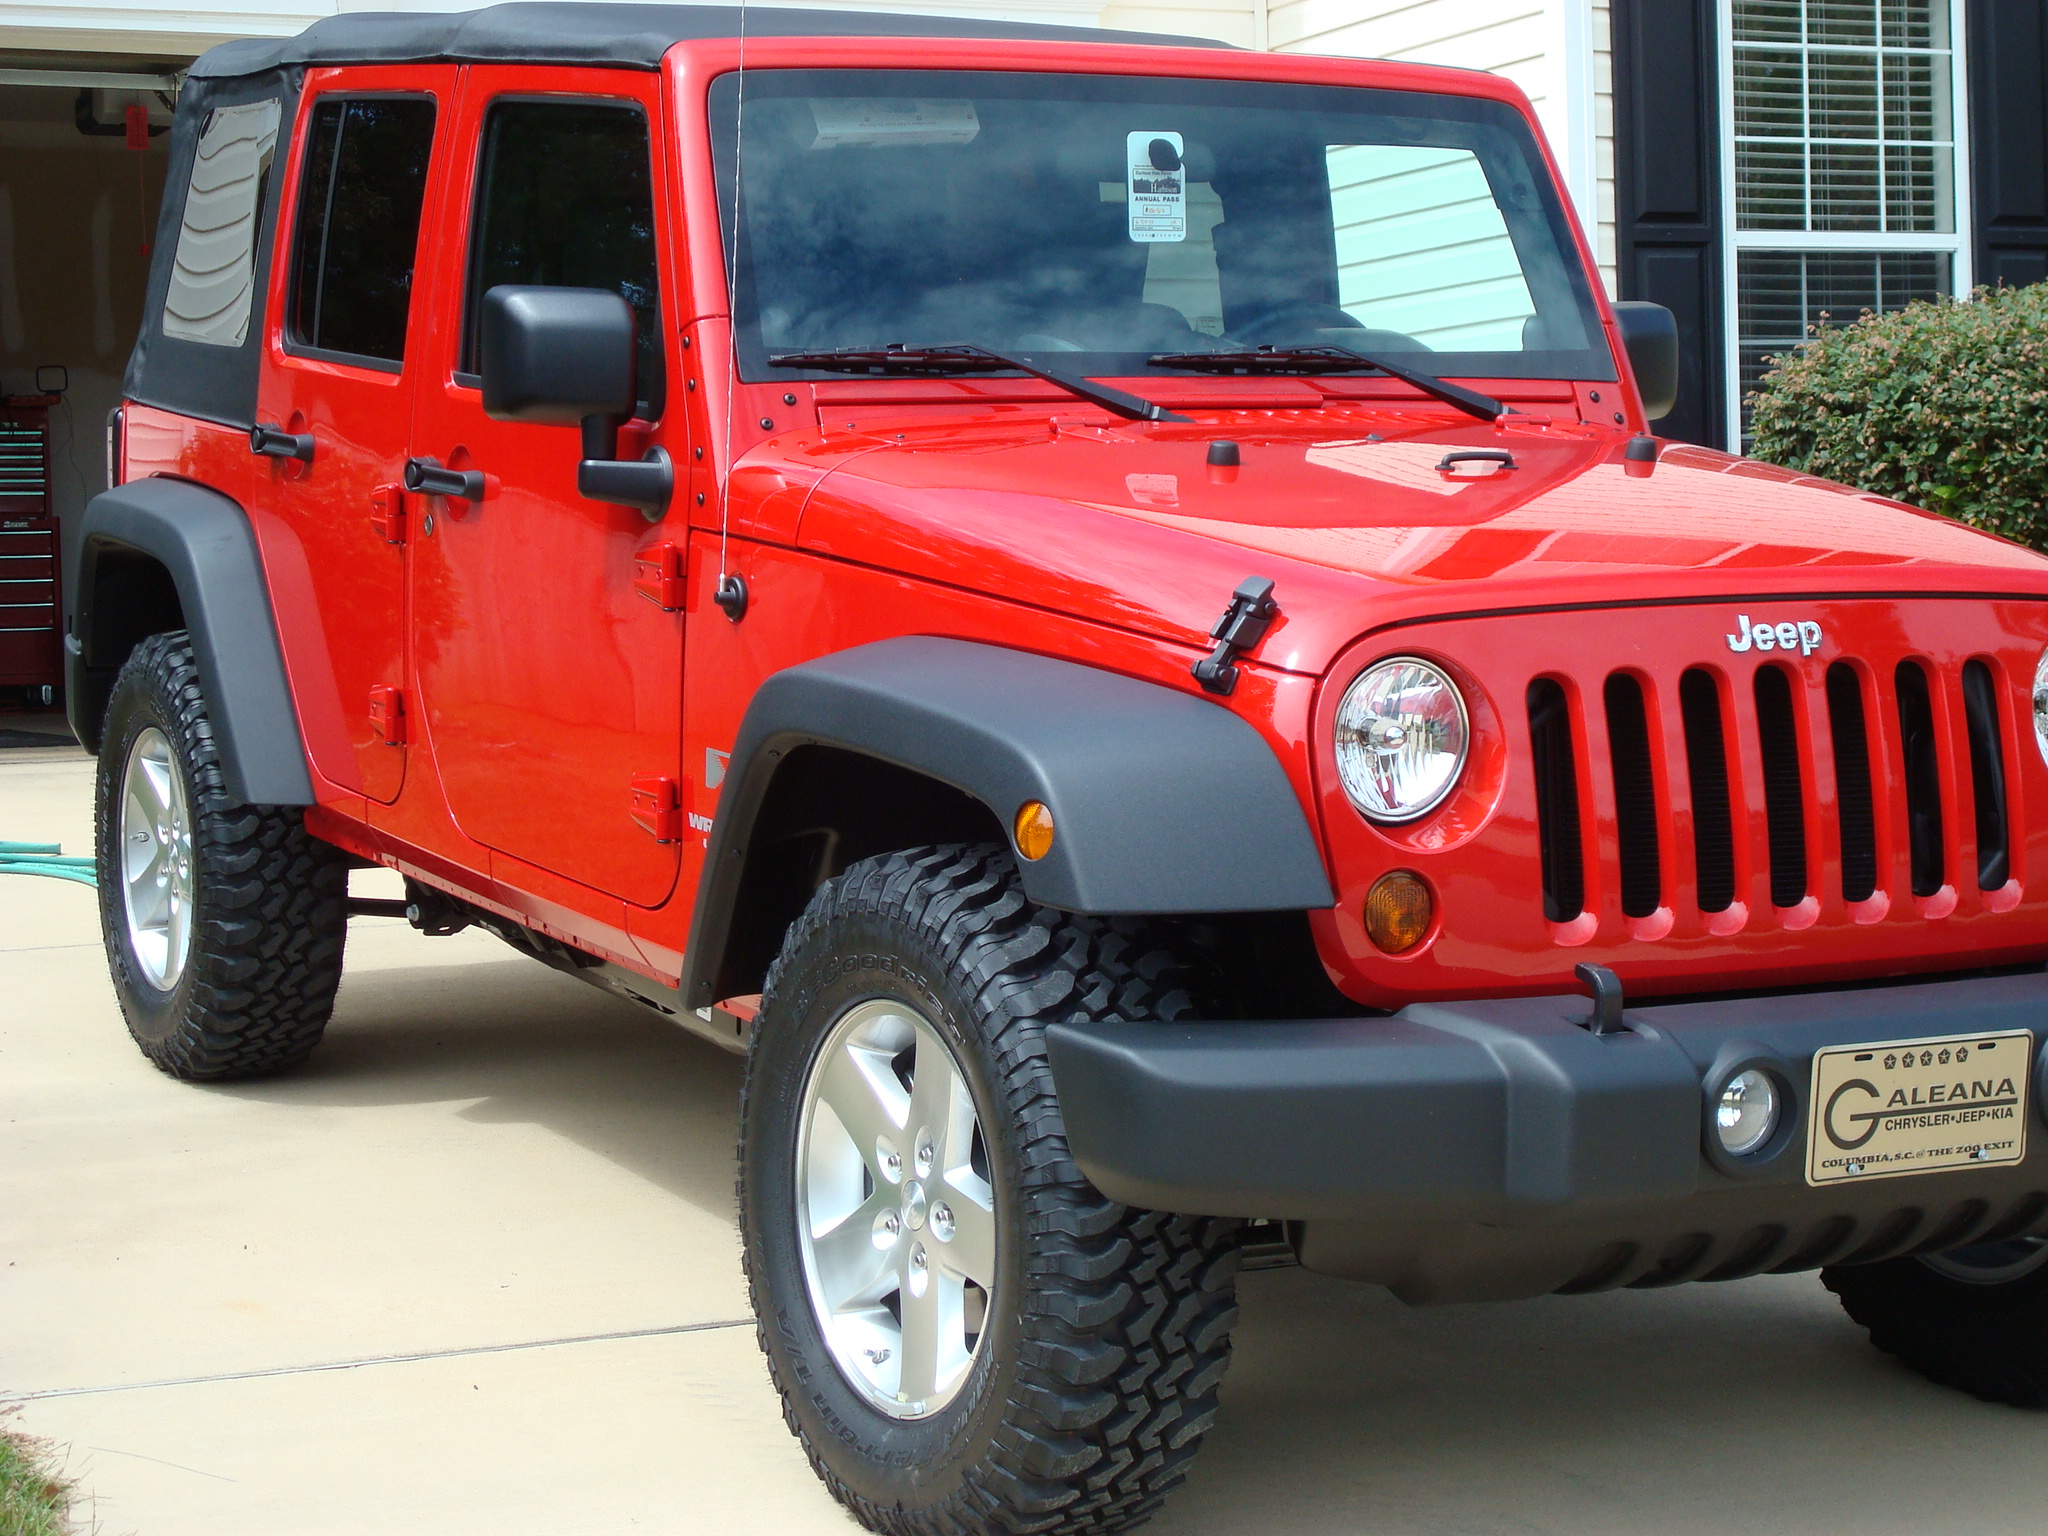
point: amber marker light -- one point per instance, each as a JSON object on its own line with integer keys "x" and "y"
{"x": 1034, "y": 830}
{"x": 1397, "y": 911}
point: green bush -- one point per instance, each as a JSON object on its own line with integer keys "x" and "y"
{"x": 1942, "y": 404}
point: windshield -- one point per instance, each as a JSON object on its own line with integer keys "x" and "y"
{"x": 1097, "y": 220}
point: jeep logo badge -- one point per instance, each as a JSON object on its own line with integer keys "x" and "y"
{"x": 1804, "y": 636}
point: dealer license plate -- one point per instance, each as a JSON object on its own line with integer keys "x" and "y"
{"x": 1917, "y": 1106}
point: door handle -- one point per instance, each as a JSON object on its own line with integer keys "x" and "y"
{"x": 429, "y": 477}
{"x": 276, "y": 443}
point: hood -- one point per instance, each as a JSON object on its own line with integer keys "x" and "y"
{"x": 1358, "y": 524}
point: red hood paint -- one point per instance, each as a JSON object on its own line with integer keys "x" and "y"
{"x": 1346, "y": 510}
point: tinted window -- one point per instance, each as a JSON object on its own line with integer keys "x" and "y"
{"x": 566, "y": 201}
{"x": 359, "y": 225}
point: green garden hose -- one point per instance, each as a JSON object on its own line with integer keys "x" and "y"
{"x": 44, "y": 859}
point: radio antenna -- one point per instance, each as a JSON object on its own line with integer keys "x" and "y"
{"x": 731, "y": 592}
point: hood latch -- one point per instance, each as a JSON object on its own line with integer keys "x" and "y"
{"x": 1242, "y": 626}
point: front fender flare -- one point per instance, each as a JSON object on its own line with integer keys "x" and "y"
{"x": 1164, "y": 802}
{"x": 204, "y": 541}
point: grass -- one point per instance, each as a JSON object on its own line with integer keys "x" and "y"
{"x": 34, "y": 1500}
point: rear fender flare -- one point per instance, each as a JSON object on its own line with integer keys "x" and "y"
{"x": 204, "y": 543}
{"x": 1163, "y": 802}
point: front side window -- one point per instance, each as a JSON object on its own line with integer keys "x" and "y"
{"x": 1123, "y": 217}
{"x": 359, "y": 225}
{"x": 565, "y": 200}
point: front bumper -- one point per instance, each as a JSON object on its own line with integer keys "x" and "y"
{"x": 1475, "y": 1150}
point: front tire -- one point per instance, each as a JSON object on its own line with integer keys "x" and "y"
{"x": 224, "y": 923}
{"x": 1976, "y": 1319}
{"x": 1052, "y": 1363}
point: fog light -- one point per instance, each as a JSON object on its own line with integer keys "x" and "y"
{"x": 1034, "y": 830}
{"x": 1397, "y": 911}
{"x": 1746, "y": 1113}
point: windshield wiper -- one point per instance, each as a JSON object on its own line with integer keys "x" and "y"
{"x": 934, "y": 362}
{"x": 1271, "y": 360}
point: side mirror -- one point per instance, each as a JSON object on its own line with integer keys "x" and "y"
{"x": 1649, "y": 333}
{"x": 566, "y": 356}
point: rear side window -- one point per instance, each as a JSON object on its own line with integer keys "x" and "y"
{"x": 213, "y": 271}
{"x": 566, "y": 200}
{"x": 359, "y": 225}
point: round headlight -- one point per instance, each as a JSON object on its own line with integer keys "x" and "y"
{"x": 1746, "y": 1112}
{"x": 2041, "y": 705}
{"x": 1401, "y": 739}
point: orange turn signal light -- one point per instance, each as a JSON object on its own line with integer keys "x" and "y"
{"x": 1398, "y": 911}
{"x": 1034, "y": 829}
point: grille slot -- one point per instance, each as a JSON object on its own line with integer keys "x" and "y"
{"x": 1923, "y": 776}
{"x": 1853, "y": 813}
{"x": 1784, "y": 810}
{"x": 1706, "y": 762}
{"x": 1635, "y": 795}
{"x": 1557, "y": 801}
{"x": 1987, "y": 775}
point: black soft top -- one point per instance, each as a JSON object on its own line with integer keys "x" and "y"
{"x": 619, "y": 36}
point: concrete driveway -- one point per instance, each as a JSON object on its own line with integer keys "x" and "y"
{"x": 474, "y": 1271}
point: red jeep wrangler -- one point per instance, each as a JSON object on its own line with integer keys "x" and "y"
{"x": 651, "y": 476}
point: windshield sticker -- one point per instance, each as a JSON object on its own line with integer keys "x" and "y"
{"x": 1157, "y": 188}
{"x": 873, "y": 124}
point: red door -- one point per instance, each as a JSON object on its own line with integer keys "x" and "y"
{"x": 338, "y": 384}
{"x": 547, "y": 686}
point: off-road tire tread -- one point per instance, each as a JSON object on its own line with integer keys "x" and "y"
{"x": 1989, "y": 1341}
{"x": 270, "y": 919}
{"x": 1127, "y": 1332}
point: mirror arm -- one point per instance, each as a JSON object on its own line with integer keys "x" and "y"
{"x": 647, "y": 483}
{"x": 601, "y": 435}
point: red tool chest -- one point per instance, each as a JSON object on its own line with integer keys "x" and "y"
{"x": 29, "y": 652}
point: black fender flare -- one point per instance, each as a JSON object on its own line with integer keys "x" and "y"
{"x": 1163, "y": 802}
{"x": 204, "y": 541}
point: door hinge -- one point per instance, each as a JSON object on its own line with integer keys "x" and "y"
{"x": 387, "y": 513}
{"x": 387, "y": 714}
{"x": 663, "y": 575}
{"x": 657, "y": 806}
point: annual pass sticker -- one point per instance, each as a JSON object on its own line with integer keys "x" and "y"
{"x": 1157, "y": 199}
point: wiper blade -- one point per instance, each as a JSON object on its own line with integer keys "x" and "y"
{"x": 961, "y": 357}
{"x": 1308, "y": 360}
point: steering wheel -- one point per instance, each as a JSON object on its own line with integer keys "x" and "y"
{"x": 1283, "y": 321}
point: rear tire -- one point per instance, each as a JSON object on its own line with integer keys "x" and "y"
{"x": 1976, "y": 1319}
{"x": 1087, "y": 1370}
{"x": 224, "y": 923}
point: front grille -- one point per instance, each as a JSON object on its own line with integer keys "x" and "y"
{"x": 1921, "y": 756}
{"x": 1784, "y": 793}
{"x": 1557, "y": 800}
{"x": 1815, "y": 764}
{"x": 1706, "y": 761}
{"x": 1635, "y": 800}
{"x": 1854, "y": 819}
{"x": 1987, "y": 775}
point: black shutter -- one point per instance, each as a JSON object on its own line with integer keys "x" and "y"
{"x": 2008, "y": 72}
{"x": 1668, "y": 192}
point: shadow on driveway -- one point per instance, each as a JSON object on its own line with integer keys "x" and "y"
{"x": 1747, "y": 1409}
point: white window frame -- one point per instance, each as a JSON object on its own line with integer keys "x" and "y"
{"x": 1955, "y": 244}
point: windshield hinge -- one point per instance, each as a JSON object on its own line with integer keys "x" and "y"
{"x": 1242, "y": 626}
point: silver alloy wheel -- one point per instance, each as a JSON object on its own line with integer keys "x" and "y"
{"x": 156, "y": 860}
{"x": 1991, "y": 1263}
{"x": 896, "y": 1214}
